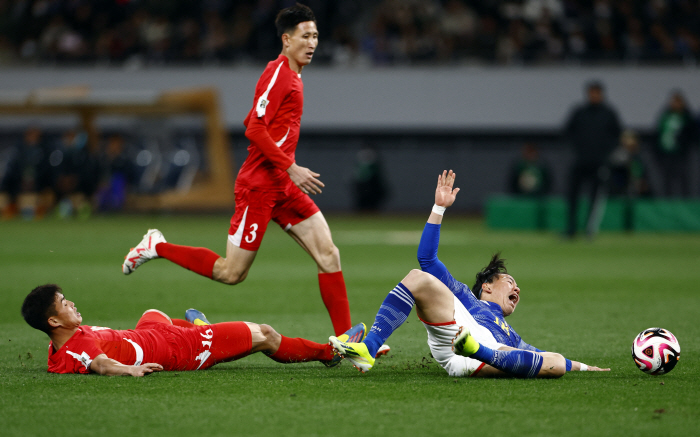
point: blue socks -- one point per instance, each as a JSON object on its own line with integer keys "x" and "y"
{"x": 518, "y": 362}
{"x": 394, "y": 311}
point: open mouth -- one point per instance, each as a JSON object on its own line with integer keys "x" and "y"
{"x": 514, "y": 298}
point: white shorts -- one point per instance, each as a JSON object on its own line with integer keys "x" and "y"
{"x": 440, "y": 338}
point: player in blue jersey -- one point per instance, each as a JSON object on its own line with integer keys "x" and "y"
{"x": 467, "y": 333}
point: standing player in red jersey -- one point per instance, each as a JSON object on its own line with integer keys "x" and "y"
{"x": 270, "y": 185}
{"x": 158, "y": 342}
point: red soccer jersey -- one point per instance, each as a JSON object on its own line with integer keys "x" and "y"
{"x": 272, "y": 126}
{"x": 130, "y": 347}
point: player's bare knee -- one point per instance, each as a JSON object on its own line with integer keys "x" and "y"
{"x": 417, "y": 281}
{"x": 236, "y": 278}
{"x": 561, "y": 367}
{"x": 232, "y": 277}
{"x": 554, "y": 365}
{"x": 256, "y": 335}
{"x": 272, "y": 338}
{"x": 413, "y": 277}
{"x": 267, "y": 330}
{"x": 328, "y": 259}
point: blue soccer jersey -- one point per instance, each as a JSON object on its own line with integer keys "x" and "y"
{"x": 487, "y": 314}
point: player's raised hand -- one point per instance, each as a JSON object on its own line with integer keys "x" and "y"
{"x": 146, "y": 369}
{"x": 305, "y": 179}
{"x": 444, "y": 193}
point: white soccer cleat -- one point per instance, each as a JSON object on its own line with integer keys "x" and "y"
{"x": 383, "y": 350}
{"x": 144, "y": 251}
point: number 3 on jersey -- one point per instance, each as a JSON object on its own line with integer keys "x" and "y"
{"x": 253, "y": 235}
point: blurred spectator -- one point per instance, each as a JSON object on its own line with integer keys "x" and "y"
{"x": 458, "y": 24}
{"x": 369, "y": 183}
{"x": 529, "y": 176}
{"x": 628, "y": 173}
{"x": 676, "y": 132}
{"x": 593, "y": 129}
{"x": 387, "y": 31}
{"x": 77, "y": 175}
{"x": 28, "y": 177}
{"x": 117, "y": 174}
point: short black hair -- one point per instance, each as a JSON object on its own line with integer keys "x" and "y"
{"x": 492, "y": 271}
{"x": 39, "y": 305}
{"x": 288, "y": 18}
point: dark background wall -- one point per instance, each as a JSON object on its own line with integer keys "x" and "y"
{"x": 420, "y": 121}
{"x": 411, "y": 163}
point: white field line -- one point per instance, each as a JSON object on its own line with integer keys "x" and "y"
{"x": 392, "y": 238}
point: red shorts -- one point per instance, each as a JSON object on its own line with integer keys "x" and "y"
{"x": 195, "y": 348}
{"x": 255, "y": 209}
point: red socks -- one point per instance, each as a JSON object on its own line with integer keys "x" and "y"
{"x": 335, "y": 297}
{"x": 301, "y": 350}
{"x": 198, "y": 259}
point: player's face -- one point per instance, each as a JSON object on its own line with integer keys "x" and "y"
{"x": 505, "y": 292}
{"x": 67, "y": 315}
{"x": 301, "y": 44}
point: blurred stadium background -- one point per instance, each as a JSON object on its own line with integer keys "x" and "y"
{"x": 397, "y": 89}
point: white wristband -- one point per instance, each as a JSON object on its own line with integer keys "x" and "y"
{"x": 439, "y": 210}
{"x": 583, "y": 367}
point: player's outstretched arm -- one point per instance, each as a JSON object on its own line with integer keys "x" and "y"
{"x": 430, "y": 238}
{"x": 305, "y": 179}
{"x": 445, "y": 196}
{"x": 576, "y": 366}
{"x": 104, "y": 365}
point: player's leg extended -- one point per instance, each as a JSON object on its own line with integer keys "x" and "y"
{"x": 248, "y": 225}
{"x": 264, "y": 338}
{"x": 314, "y": 236}
{"x": 153, "y": 245}
{"x": 218, "y": 343}
{"x": 434, "y": 303}
{"x": 230, "y": 270}
{"x": 514, "y": 362}
{"x": 235, "y": 267}
{"x": 285, "y": 349}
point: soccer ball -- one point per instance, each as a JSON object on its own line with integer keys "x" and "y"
{"x": 656, "y": 351}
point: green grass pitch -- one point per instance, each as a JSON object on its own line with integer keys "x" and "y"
{"x": 586, "y": 300}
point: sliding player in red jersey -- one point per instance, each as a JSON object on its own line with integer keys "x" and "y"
{"x": 270, "y": 185}
{"x": 158, "y": 342}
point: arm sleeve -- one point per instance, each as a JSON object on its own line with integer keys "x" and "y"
{"x": 257, "y": 133}
{"x": 270, "y": 92}
{"x": 521, "y": 344}
{"x": 77, "y": 358}
{"x": 427, "y": 252}
{"x": 528, "y": 347}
